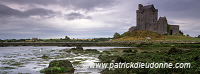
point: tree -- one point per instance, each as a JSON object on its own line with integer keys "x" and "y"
{"x": 116, "y": 35}
{"x": 181, "y": 32}
{"x": 67, "y": 38}
{"x": 199, "y": 36}
{"x": 187, "y": 35}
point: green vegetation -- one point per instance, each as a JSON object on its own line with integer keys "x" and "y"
{"x": 59, "y": 66}
{"x": 138, "y": 35}
{"x": 116, "y": 36}
{"x": 181, "y": 32}
{"x": 141, "y": 34}
{"x": 66, "y": 39}
{"x": 7, "y": 68}
{"x": 1, "y": 40}
{"x": 91, "y": 51}
{"x": 54, "y": 70}
{"x": 134, "y": 37}
{"x": 187, "y": 35}
{"x": 172, "y": 45}
{"x": 153, "y": 37}
{"x": 148, "y": 55}
{"x": 168, "y": 28}
{"x": 101, "y": 39}
{"x": 198, "y": 36}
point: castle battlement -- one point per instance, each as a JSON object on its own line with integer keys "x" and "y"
{"x": 147, "y": 19}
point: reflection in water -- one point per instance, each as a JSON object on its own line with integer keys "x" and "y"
{"x": 29, "y": 59}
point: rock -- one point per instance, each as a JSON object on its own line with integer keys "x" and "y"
{"x": 59, "y": 66}
{"x": 129, "y": 50}
{"x": 174, "y": 51}
{"x": 7, "y": 68}
{"x": 168, "y": 59}
{"x": 196, "y": 58}
{"x": 144, "y": 52}
{"x": 106, "y": 52}
{"x": 135, "y": 51}
{"x": 44, "y": 56}
{"x": 78, "y": 48}
{"x": 92, "y": 50}
{"x": 104, "y": 58}
{"x": 119, "y": 59}
{"x": 107, "y": 58}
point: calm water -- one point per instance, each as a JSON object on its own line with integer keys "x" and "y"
{"x": 28, "y": 59}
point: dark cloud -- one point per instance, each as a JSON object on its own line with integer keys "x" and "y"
{"x": 178, "y": 9}
{"x": 90, "y": 4}
{"x": 40, "y": 2}
{"x": 76, "y": 4}
{"x": 176, "y": 5}
{"x": 37, "y": 11}
{"x": 7, "y": 11}
{"x": 73, "y": 16}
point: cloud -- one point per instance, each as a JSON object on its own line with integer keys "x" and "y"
{"x": 7, "y": 11}
{"x": 91, "y": 4}
{"x": 73, "y": 16}
{"x": 38, "y": 12}
{"x": 72, "y": 4}
{"x": 179, "y": 9}
{"x": 87, "y": 18}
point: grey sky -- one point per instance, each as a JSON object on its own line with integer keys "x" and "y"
{"x": 88, "y": 18}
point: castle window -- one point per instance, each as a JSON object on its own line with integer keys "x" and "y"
{"x": 141, "y": 12}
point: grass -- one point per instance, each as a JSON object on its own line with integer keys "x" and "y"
{"x": 173, "y": 45}
{"x": 148, "y": 36}
{"x": 7, "y": 68}
{"x": 55, "y": 70}
{"x": 151, "y": 54}
{"x": 181, "y": 38}
{"x": 58, "y": 66}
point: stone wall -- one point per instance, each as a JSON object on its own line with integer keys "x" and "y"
{"x": 132, "y": 28}
{"x": 174, "y": 29}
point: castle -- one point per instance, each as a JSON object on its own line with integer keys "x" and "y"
{"x": 147, "y": 20}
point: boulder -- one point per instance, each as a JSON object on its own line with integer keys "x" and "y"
{"x": 174, "y": 51}
{"x": 59, "y": 66}
{"x": 78, "y": 48}
{"x": 91, "y": 51}
{"x": 129, "y": 50}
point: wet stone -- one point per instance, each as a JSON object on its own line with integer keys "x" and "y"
{"x": 59, "y": 66}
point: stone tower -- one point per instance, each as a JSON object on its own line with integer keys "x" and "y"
{"x": 146, "y": 16}
{"x": 147, "y": 20}
{"x": 162, "y": 25}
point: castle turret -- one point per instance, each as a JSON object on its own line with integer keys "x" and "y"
{"x": 140, "y": 6}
